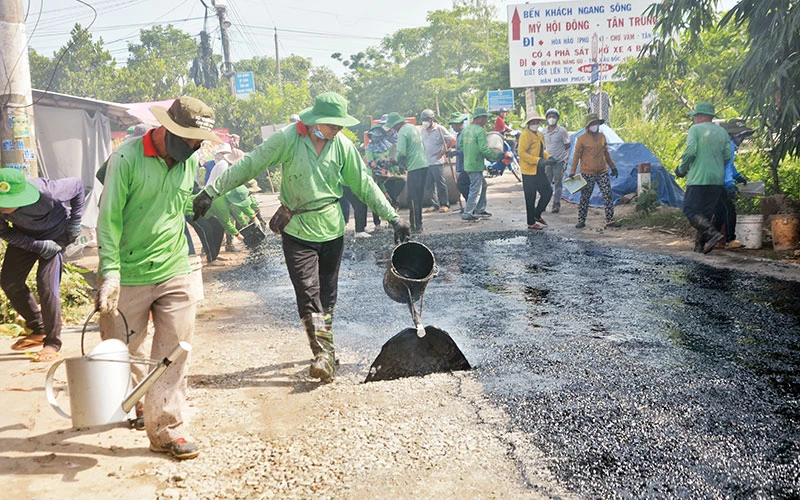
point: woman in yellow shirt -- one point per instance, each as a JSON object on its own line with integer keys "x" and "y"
{"x": 533, "y": 158}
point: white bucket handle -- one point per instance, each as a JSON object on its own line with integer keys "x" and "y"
{"x": 48, "y": 389}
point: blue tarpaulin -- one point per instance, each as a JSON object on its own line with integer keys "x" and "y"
{"x": 627, "y": 156}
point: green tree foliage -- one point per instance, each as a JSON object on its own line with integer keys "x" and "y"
{"x": 82, "y": 67}
{"x": 769, "y": 72}
{"x": 158, "y": 66}
{"x": 461, "y": 53}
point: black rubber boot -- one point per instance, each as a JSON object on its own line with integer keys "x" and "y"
{"x": 712, "y": 236}
{"x": 699, "y": 241}
{"x": 319, "y": 329}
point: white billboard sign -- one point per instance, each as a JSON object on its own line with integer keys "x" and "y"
{"x": 559, "y": 43}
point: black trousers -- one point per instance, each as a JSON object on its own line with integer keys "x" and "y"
{"x": 725, "y": 215}
{"x": 531, "y": 185}
{"x": 463, "y": 185}
{"x": 47, "y": 319}
{"x": 701, "y": 200}
{"x": 415, "y": 191}
{"x": 314, "y": 271}
{"x": 359, "y": 210}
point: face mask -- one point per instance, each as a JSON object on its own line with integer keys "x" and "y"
{"x": 551, "y": 121}
{"x": 177, "y": 148}
{"x": 426, "y": 124}
{"x": 533, "y": 128}
{"x": 319, "y": 134}
{"x": 594, "y": 128}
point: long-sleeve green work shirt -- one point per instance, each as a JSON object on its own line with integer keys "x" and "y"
{"x": 476, "y": 148}
{"x": 410, "y": 150}
{"x": 707, "y": 151}
{"x": 311, "y": 183}
{"x": 140, "y": 226}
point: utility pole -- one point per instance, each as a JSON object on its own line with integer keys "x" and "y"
{"x": 277, "y": 58}
{"x": 16, "y": 101}
{"x": 227, "y": 71}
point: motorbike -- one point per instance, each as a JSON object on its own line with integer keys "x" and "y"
{"x": 499, "y": 144}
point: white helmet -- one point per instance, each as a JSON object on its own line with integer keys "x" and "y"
{"x": 294, "y": 118}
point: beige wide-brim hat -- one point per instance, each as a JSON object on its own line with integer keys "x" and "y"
{"x": 534, "y": 117}
{"x": 189, "y": 118}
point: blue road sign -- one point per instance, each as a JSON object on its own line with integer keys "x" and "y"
{"x": 595, "y": 73}
{"x": 243, "y": 83}
{"x": 500, "y": 99}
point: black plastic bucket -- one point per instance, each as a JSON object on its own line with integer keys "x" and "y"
{"x": 252, "y": 235}
{"x": 411, "y": 268}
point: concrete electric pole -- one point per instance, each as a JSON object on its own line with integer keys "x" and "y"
{"x": 16, "y": 102}
{"x": 224, "y": 24}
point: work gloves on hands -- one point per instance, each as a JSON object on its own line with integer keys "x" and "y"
{"x": 546, "y": 162}
{"x": 678, "y": 173}
{"x": 508, "y": 156}
{"x": 614, "y": 173}
{"x": 742, "y": 180}
{"x": 733, "y": 193}
{"x": 49, "y": 249}
{"x": 201, "y": 204}
{"x": 73, "y": 230}
{"x": 107, "y": 298}
{"x": 402, "y": 231}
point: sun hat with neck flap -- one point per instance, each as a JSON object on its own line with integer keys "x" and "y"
{"x": 329, "y": 108}
{"x": 393, "y": 119}
{"x": 187, "y": 117}
{"x": 15, "y": 190}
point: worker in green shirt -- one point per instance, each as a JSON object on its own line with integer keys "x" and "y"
{"x": 144, "y": 265}
{"x": 233, "y": 209}
{"x": 476, "y": 148}
{"x": 410, "y": 154}
{"x": 703, "y": 164}
{"x": 317, "y": 161}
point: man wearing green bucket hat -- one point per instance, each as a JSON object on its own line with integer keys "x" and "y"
{"x": 37, "y": 227}
{"x": 703, "y": 164}
{"x": 476, "y": 148}
{"x": 316, "y": 160}
{"x": 410, "y": 154}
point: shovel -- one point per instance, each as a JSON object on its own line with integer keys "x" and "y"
{"x": 420, "y": 350}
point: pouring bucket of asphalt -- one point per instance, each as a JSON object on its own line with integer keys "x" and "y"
{"x": 410, "y": 269}
{"x": 421, "y": 350}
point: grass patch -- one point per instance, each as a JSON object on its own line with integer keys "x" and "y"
{"x": 665, "y": 218}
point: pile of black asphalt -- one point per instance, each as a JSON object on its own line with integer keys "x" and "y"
{"x": 636, "y": 375}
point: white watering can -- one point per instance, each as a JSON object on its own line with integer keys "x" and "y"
{"x": 100, "y": 383}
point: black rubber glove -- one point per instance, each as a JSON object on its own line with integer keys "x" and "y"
{"x": 542, "y": 163}
{"x": 402, "y": 231}
{"x": 733, "y": 193}
{"x": 570, "y": 176}
{"x": 49, "y": 249}
{"x": 201, "y": 204}
{"x": 678, "y": 173}
{"x": 73, "y": 230}
{"x": 742, "y": 179}
{"x": 614, "y": 173}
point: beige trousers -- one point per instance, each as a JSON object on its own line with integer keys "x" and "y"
{"x": 172, "y": 305}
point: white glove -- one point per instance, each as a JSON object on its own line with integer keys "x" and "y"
{"x": 108, "y": 295}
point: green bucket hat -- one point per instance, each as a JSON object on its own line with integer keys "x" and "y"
{"x": 591, "y": 119}
{"x": 239, "y": 196}
{"x": 187, "y": 117}
{"x": 15, "y": 190}
{"x": 456, "y": 117}
{"x": 329, "y": 109}
{"x": 703, "y": 108}
{"x": 393, "y": 119}
{"x": 479, "y": 111}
